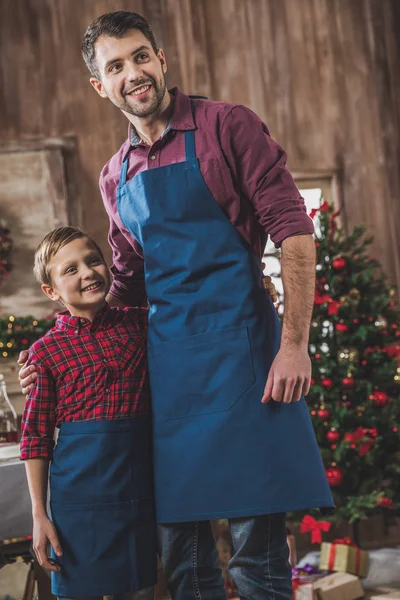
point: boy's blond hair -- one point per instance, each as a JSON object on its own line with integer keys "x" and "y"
{"x": 50, "y": 245}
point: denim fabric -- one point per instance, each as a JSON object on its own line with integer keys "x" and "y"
{"x": 145, "y": 594}
{"x": 260, "y": 564}
{"x": 190, "y": 561}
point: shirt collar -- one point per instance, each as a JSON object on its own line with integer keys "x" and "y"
{"x": 73, "y": 324}
{"x": 181, "y": 119}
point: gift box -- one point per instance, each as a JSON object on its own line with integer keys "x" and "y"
{"x": 385, "y": 594}
{"x": 343, "y": 556}
{"x": 303, "y": 582}
{"x": 338, "y": 586}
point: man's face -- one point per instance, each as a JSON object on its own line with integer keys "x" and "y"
{"x": 132, "y": 75}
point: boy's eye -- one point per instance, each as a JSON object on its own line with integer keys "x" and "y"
{"x": 70, "y": 270}
{"x": 95, "y": 260}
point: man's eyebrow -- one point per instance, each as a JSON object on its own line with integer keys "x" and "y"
{"x": 114, "y": 60}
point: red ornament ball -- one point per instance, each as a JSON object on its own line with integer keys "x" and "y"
{"x": 348, "y": 382}
{"x": 334, "y": 475}
{"x": 379, "y": 397}
{"x": 327, "y": 382}
{"x": 339, "y": 263}
{"x": 342, "y": 327}
{"x": 323, "y": 413}
{"x": 333, "y": 436}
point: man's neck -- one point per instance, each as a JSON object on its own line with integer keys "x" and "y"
{"x": 150, "y": 128}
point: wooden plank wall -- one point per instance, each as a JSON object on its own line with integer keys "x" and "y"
{"x": 323, "y": 74}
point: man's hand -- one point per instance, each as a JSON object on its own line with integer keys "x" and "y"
{"x": 269, "y": 286}
{"x": 289, "y": 377}
{"x": 27, "y": 375}
{"x": 44, "y": 533}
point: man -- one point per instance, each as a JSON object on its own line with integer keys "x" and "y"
{"x": 191, "y": 196}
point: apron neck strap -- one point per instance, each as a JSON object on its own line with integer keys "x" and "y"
{"x": 190, "y": 149}
{"x": 124, "y": 171}
{"x": 190, "y": 146}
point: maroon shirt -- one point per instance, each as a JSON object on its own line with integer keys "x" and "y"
{"x": 242, "y": 166}
{"x": 86, "y": 370}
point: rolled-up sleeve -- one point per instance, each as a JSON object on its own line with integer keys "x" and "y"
{"x": 38, "y": 418}
{"x": 128, "y": 285}
{"x": 258, "y": 165}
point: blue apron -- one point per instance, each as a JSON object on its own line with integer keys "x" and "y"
{"x": 213, "y": 334}
{"x": 102, "y": 504}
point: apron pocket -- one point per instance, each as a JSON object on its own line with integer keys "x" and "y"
{"x": 202, "y": 374}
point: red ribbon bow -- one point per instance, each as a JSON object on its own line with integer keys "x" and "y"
{"x": 315, "y": 527}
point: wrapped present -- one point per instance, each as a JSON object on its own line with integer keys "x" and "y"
{"x": 344, "y": 556}
{"x": 303, "y": 582}
{"x": 338, "y": 586}
{"x": 385, "y": 594}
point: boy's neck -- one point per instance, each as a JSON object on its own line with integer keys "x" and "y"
{"x": 89, "y": 313}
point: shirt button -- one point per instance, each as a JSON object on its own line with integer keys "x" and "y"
{"x": 107, "y": 391}
{"x": 76, "y": 330}
{"x": 153, "y": 157}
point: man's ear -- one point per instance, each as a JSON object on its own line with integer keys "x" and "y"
{"x": 162, "y": 59}
{"x": 50, "y": 292}
{"x": 98, "y": 86}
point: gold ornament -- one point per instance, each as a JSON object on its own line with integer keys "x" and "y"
{"x": 354, "y": 355}
{"x": 392, "y": 293}
{"x": 355, "y": 295}
{"x": 345, "y": 355}
{"x": 344, "y": 299}
{"x": 381, "y": 322}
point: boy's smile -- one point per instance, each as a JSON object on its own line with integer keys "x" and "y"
{"x": 79, "y": 278}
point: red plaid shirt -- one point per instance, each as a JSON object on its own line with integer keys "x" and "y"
{"x": 86, "y": 370}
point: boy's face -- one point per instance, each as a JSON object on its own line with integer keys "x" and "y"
{"x": 79, "y": 278}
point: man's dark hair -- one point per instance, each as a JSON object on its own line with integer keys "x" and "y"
{"x": 114, "y": 24}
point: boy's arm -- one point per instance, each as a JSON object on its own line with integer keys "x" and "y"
{"x": 38, "y": 423}
{"x": 44, "y": 532}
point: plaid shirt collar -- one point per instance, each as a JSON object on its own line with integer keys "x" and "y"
{"x": 72, "y": 324}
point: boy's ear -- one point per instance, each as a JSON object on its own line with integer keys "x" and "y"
{"x": 50, "y": 293}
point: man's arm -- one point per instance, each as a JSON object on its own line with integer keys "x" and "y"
{"x": 290, "y": 374}
{"x": 258, "y": 166}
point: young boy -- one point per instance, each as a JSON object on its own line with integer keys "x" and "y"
{"x": 93, "y": 385}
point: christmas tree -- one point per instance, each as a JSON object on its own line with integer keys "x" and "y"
{"x": 355, "y": 349}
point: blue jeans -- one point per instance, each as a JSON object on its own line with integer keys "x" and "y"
{"x": 146, "y": 594}
{"x": 259, "y": 566}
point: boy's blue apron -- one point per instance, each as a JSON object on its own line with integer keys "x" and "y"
{"x": 213, "y": 334}
{"x": 102, "y": 504}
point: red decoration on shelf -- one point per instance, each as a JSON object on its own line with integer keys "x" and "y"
{"x": 348, "y": 382}
{"x": 334, "y": 475}
{"x": 339, "y": 263}
{"x": 379, "y": 397}
{"x": 309, "y": 524}
{"x": 323, "y": 413}
{"x": 327, "y": 382}
{"x": 342, "y": 327}
{"x": 385, "y": 502}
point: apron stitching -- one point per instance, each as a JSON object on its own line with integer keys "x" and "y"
{"x": 195, "y": 578}
{"x": 268, "y": 558}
